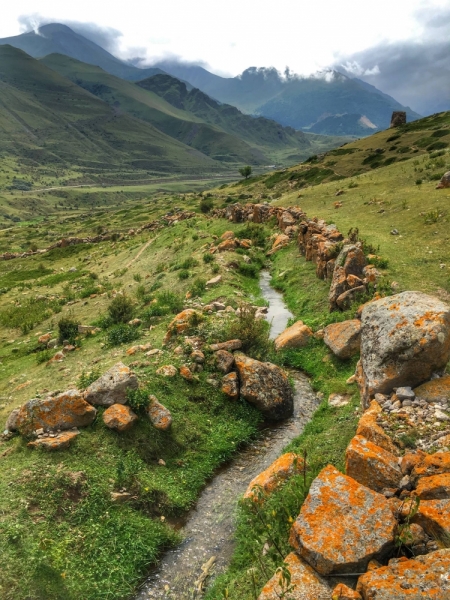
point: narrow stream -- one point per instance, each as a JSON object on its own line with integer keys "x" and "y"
{"x": 209, "y": 528}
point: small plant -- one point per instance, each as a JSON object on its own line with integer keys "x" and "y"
{"x": 173, "y": 302}
{"x": 419, "y": 181}
{"x": 195, "y": 237}
{"x": 183, "y": 274}
{"x": 68, "y": 330}
{"x": 352, "y": 184}
{"x": 433, "y": 216}
{"x": 86, "y": 378}
{"x": 137, "y": 277}
{"x": 121, "y": 309}
{"x": 121, "y": 334}
{"x": 206, "y": 205}
{"x": 404, "y": 536}
{"x": 138, "y": 400}
{"x": 215, "y": 268}
{"x": 208, "y": 258}
{"x": 404, "y": 204}
{"x": 44, "y": 356}
{"x": 198, "y": 287}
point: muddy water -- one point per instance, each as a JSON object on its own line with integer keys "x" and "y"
{"x": 277, "y": 315}
{"x": 209, "y": 528}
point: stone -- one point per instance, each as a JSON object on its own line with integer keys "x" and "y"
{"x": 274, "y": 476}
{"x": 139, "y": 348}
{"x": 342, "y": 525}
{"x": 160, "y": 416}
{"x": 371, "y": 465}
{"x": 214, "y": 281}
{"x": 229, "y": 346}
{"x": 405, "y": 393}
{"x": 432, "y": 464}
{"x": 435, "y": 487}
{"x": 369, "y": 428}
{"x": 230, "y": 385}
{"x": 345, "y": 300}
{"x": 61, "y": 441}
{"x": 182, "y": 323}
{"x": 44, "y": 339}
{"x": 351, "y": 261}
{"x": 338, "y": 400}
{"x": 266, "y": 386}
{"x": 307, "y": 584}
{"x": 343, "y": 592}
{"x": 167, "y": 371}
{"x": 111, "y": 388}
{"x": 435, "y": 390}
{"x": 224, "y": 361}
{"x": 119, "y": 417}
{"x": 63, "y": 411}
{"x": 440, "y": 415}
{"x": 295, "y": 336}
{"x": 434, "y": 517}
{"x": 227, "y": 245}
{"x": 404, "y": 339}
{"x": 398, "y": 118}
{"x": 420, "y": 578}
{"x": 11, "y": 421}
{"x": 444, "y": 182}
{"x": 227, "y": 235}
{"x": 58, "y": 357}
{"x": 135, "y": 322}
{"x": 186, "y": 373}
{"x": 343, "y": 339}
{"x": 198, "y": 357}
{"x": 279, "y": 242}
{"x": 120, "y": 497}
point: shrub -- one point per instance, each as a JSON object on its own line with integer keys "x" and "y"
{"x": 215, "y": 268}
{"x": 419, "y": 181}
{"x": 206, "y": 205}
{"x": 254, "y": 333}
{"x": 183, "y": 274}
{"x": 68, "y": 330}
{"x": 121, "y": 309}
{"x": 138, "y": 400}
{"x": 208, "y": 258}
{"x": 86, "y": 379}
{"x": 137, "y": 277}
{"x": 121, "y": 334}
{"x": 44, "y": 356}
{"x": 173, "y": 302}
{"x": 249, "y": 270}
{"x": 198, "y": 287}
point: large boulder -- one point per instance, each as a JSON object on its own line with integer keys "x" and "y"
{"x": 444, "y": 182}
{"x": 435, "y": 487}
{"x": 342, "y": 525}
{"x": 306, "y": 583}
{"x": 295, "y": 336}
{"x": 276, "y": 474}
{"x": 420, "y": 578}
{"x": 266, "y": 386}
{"x": 343, "y": 339}
{"x": 111, "y": 388}
{"x": 404, "y": 339}
{"x": 64, "y": 411}
{"x": 434, "y": 517}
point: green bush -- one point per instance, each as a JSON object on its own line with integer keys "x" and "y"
{"x": 254, "y": 333}
{"x": 183, "y": 274}
{"x": 173, "y": 302}
{"x": 198, "y": 287}
{"x": 138, "y": 400}
{"x": 206, "y": 205}
{"x": 44, "y": 356}
{"x": 86, "y": 379}
{"x": 249, "y": 270}
{"x": 68, "y": 330}
{"x": 121, "y": 309}
{"x": 121, "y": 334}
{"x": 208, "y": 258}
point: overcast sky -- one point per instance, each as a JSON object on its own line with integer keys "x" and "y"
{"x": 400, "y": 46}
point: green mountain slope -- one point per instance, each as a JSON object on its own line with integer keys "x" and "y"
{"x": 47, "y": 118}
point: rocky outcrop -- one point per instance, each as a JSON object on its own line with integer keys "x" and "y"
{"x": 444, "y": 182}
{"x": 398, "y": 118}
{"x": 265, "y": 386}
{"x": 404, "y": 339}
{"x": 280, "y": 470}
{"x": 119, "y": 417}
{"x": 59, "y": 441}
{"x": 348, "y": 277}
{"x": 295, "y": 336}
{"x": 111, "y": 388}
{"x": 343, "y": 339}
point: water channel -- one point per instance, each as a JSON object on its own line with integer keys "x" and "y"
{"x": 209, "y": 528}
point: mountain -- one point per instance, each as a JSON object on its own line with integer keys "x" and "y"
{"x": 357, "y": 125}
{"x": 295, "y": 101}
{"x": 47, "y": 119}
{"x": 60, "y": 39}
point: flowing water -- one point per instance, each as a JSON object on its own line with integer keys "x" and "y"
{"x": 209, "y": 528}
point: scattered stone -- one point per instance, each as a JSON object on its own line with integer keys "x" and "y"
{"x": 405, "y": 393}
{"x": 295, "y": 336}
{"x": 214, "y": 281}
{"x": 279, "y": 471}
{"x": 167, "y": 371}
{"x": 337, "y": 400}
{"x": 224, "y": 361}
{"x": 368, "y": 427}
{"x": 281, "y": 241}
{"x": 186, "y": 373}
{"x": 343, "y": 339}
{"x": 135, "y": 322}
{"x": 139, "y": 348}
{"x": 153, "y": 352}
{"x": 120, "y": 497}
{"x": 228, "y": 235}
{"x": 435, "y": 487}
{"x": 61, "y": 441}
{"x": 230, "y": 385}
{"x": 119, "y": 417}
{"x": 58, "y": 357}
{"x": 342, "y": 525}
{"x": 424, "y": 577}
{"x": 63, "y": 411}
{"x": 11, "y": 421}
{"x": 227, "y": 245}
{"x": 229, "y": 346}
{"x": 44, "y": 339}
{"x": 266, "y": 386}
{"x": 159, "y": 415}
{"x": 198, "y": 357}
{"x": 111, "y": 388}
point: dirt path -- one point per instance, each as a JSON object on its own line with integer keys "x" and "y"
{"x": 144, "y": 247}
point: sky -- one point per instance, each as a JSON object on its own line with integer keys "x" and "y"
{"x": 375, "y": 40}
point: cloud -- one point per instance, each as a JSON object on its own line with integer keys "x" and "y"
{"x": 415, "y": 72}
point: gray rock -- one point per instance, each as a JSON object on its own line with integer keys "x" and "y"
{"x": 405, "y": 393}
{"x": 11, "y": 422}
{"x": 111, "y": 388}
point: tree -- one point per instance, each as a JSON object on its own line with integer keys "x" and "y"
{"x": 246, "y": 171}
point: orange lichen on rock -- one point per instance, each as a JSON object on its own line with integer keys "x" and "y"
{"x": 119, "y": 417}
{"x": 59, "y": 442}
{"x": 423, "y": 578}
{"x": 434, "y": 390}
{"x": 295, "y": 336}
{"x": 306, "y": 583}
{"x": 269, "y": 480}
{"x": 111, "y": 388}
{"x": 432, "y": 464}
{"x": 369, "y": 428}
{"x": 230, "y": 385}
{"x": 436, "y": 487}
{"x": 434, "y": 517}
{"x": 182, "y": 322}
{"x": 343, "y": 592}
{"x": 343, "y": 339}
{"x": 186, "y": 373}
{"x": 159, "y": 415}
{"x": 342, "y": 525}
{"x": 371, "y": 465}
{"x": 227, "y": 245}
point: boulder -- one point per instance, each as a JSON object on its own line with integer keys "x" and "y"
{"x": 435, "y": 487}
{"x": 11, "y": 421}
{"x": 371, "y": 465}
{"x": 345, "y": 300}
{"x": 227, "y": 235}
{"x": 404, "y": 339}
{"x": 64, "y": 411}
{"x": 343, "y": 339}
{"x": 369, "y": 428}
{"x": 266, "y": 386}
{"x": 167, "y": 371}
{"x": 343, "y": 592}
{"x": 431, "y": 464}
{"x": 444, "y": 182}
{"x": 295, "y": 336}
{"x": 111, "y": 388}
{"x": 198, "y": 357}
{"x": 420, "y": 578}
{"x": 279, "y": 471}
{"x": 186, "y": 373}
{"x": 307, "y": 584}
{"x": 434, "y": 517}
{"x": 351, "y": 261}
{"x": 224, "y": 361}
{"x": 214, "y": 281}
{"x": 182, "y": 322}
{"x": 229, "y": 346}
{"x": 342, "y": 525}
{"x": 61, "y": 441}
{"x": 160, "y": 416}
{"x": 230, "y": 385}
{"x": 227, "y": 245}
{"x": 434, "y": 390}
{"x": 119, "y": 417}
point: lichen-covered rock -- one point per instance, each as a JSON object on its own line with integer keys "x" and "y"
{"x": 434, "y": 390}
{"x": 167, "y": 371}
{"x": 214, "y": 281}
{"x": 343, "y": 592}
{"x": 61, "y": 441}
{"x": 111, "y": 388}
{"x": 436, "y": 487}
{"x": 371, "y": 465}
{"x": 224, "y": 361}
{"x": 342, "y": 525}
{"x": 182, "y": 323}
{"x": 432, "y": 464}
{"x": 11, "y": 421}
{"x": 351, "y": 261}
{"x": 160, "y": 416}
{"x": 64, "y": 411}
{"x": 307, "y": 584}
{"x": 198, "y": 357}
{"x": 281, "y": 241}
{"x": 229, "y": 345}
{"x": 404, "y": 339}
{"x": 343, "y": 339}
{"x": 369, "y": 428}
{"x": 186, "y": 373}
{"x": 421, "y": 578}
{"x": 279, "y": 471}
{"x": 227, "y": 235}
{"x": 434, "y": 517}
{"x": 295, "y": 336}
{"x": 227, "y": 245}
{"x": 266, "y": 386}
{"x": 230, "y": 385}
{"x": 119, "y": 417}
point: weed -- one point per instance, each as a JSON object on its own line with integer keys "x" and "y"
{"x": 206, "y": 205}
{"x": 183, "y": 274}
{"x": 121, "y": 334}
{"x": 198, "y": 287}
{"x": 172, "y": 301}
{"x": 138, "y": 400}
{"x": 86, "y": 378}
{"x": 68, "y": 330}
{"x": 208, "y": 258}
{"x": 121, "y": 309}
{"x": 137, "y": 277}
